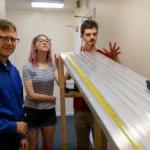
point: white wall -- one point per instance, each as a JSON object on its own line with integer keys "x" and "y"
{"x": 128, "y": 23}
{"x": 86, "y": 10}
{"x": 2, "y": 9}
{"x": 53, "y": 24}
{"x": 31, "y": 23}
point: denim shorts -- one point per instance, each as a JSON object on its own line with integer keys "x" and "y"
{"x": 37, "y": 118}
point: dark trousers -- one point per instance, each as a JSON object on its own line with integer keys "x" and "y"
{"x": 9, "y": 141}
{"x": 84, "y": 123}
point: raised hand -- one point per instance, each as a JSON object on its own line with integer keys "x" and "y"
{"x": 88, "y": 47}
{"x": 113, "y": 51}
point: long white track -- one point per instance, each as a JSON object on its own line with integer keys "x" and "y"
{"x": 116, "y": 95}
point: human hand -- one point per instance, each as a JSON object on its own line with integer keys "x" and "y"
{"x": 113, "y": 51}
{"x": 89, "y": 46}
{"x": 21, "y": 127}
{"x": 24, "y": 145}
{"x": 53, "y": 99}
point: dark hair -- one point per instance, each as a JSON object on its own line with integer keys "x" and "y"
{"x": 88, "y": 24}
{"x": 6, "y": 25}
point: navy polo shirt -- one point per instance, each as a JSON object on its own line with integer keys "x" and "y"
{"x": 11, "y": 98}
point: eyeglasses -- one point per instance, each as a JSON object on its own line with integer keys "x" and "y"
{"x": 7, "y": 38}
{"x": 47, "y": 41}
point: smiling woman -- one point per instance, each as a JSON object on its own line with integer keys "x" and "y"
{"x": 39, "y": 75}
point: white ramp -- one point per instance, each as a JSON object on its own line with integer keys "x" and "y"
{"x": 116, "y": 95}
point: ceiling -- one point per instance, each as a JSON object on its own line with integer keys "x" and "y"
{"x": 70, "y": 5}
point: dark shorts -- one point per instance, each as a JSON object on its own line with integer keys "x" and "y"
{"x": 39, "y": 118}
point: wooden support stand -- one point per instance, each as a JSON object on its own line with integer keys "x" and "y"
{"x": 100, "y": 141}
{"x": 62, "y": 105}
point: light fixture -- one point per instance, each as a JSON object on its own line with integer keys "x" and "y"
{"x": 47, "y": 4}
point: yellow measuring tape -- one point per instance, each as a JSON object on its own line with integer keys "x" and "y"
{"x": 113, "y": 115}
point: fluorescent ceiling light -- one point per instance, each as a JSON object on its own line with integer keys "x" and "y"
{"x": 47, "y": 5}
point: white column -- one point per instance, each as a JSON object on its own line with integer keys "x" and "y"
{"x": 2, "y": 9}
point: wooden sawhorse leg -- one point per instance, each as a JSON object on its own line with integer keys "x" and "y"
{"x": 100, "y": 140}
{"x": 62, "y": 105}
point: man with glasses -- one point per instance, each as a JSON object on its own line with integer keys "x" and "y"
{"x": 12, "y": 127}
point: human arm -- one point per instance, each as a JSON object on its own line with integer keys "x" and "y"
{"x": 7, "y": 125}
{"x": 19, "y": 127}
{"x": 21, "y": 130}
{"x": 12, "y": 126}
{"x": 28, "y": 84}
{"x": 36, "y": 97}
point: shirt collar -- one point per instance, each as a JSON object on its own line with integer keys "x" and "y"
{"x": 6, "y": 67}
